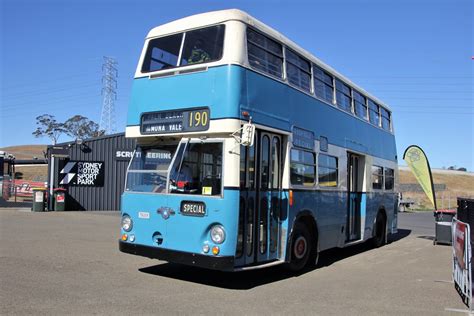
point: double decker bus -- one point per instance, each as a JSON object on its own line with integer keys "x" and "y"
{"x": 251, "y": 151}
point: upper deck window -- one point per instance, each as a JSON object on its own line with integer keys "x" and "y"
{"x": 374, "y": 115}
{"x": 265, "y": 54}
{"x": 323, "y": 84}
{"x": 200, "y": 46}
{"x": 298, "y": 71}
{"x": 343, "y": 96}
{"x": 385, "y": 119}
{"x": 360, "y": 105}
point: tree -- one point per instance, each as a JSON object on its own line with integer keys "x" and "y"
{"x": 80, "y": 127}
{"x": 46, "y": 125}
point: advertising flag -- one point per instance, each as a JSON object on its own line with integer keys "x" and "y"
{"x": 419, "y": 165}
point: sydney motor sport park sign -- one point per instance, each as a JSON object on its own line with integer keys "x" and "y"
{"x": 83, "y": 173}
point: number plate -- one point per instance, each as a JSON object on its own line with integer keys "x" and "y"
{"x": 193, "y": 208}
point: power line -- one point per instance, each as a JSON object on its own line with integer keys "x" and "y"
{"x": 45, "y": 106}
{"x": 59, "y": 99}
{"x": 47, "y": 91}
{"x": 41, "y": 81}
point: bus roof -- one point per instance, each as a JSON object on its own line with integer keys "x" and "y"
{"x": 216, "y": 17}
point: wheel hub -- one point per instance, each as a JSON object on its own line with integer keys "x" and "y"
{"x": 300, "y": 247}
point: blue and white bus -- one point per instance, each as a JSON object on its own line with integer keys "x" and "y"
{"x": 251, "y": 151}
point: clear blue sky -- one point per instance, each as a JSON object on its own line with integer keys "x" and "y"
{"x": 415, "y": 55}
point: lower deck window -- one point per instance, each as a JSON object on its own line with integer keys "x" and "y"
{"x": 327, "y": 171}
{"x": 389, "y": 179}
{"x": 303, "y": 167}
{"x": 197, "y": 169}
{"x": 377, "y": 178}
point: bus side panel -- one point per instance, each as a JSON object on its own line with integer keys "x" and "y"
{"x": 375, "y": 202}
{"x": 329, "y": 209}
{"x": 275, "y": 104}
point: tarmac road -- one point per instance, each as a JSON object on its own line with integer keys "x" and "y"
{"x": 69, "y": 263}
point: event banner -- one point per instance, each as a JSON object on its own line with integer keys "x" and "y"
{"x": 462, "y": 267}
{"x": 416, "y": 159}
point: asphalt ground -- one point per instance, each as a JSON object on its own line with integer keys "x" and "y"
{"x": 68, "y": 263}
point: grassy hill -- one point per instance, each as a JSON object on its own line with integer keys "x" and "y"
{"x": 458, "y": 184}
{"x": 26, "y": 151}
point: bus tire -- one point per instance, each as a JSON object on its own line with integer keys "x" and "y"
{"x": 301, "y": 247}
{"x": 380, "y": 230}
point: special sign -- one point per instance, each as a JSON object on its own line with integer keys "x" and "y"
{"x": 83, "y": 173}
{"x": 190, "y": 120}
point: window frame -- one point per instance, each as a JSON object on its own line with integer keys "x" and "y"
{"x": 327, "y": 187}
{"x": 315, "y": 78}
{"x": 314, "y": 165}
{"x": 392, "y": 176}
{"x": 355, "y": 96}
{"x": 147, "y": 52}
{"x": 300, "y": 69}
{"x": 372, "y": 175}
{"x": 267, "y": 51}
{"x": 350, "y": 109}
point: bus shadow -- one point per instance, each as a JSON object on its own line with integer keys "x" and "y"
{"x": 331, "y": 256}
{"x": 246, "y": 280}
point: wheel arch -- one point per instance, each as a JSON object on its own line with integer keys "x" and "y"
{"x": 306, "y": 217}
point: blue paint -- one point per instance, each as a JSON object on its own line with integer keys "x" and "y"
{"x": 181, "y": 232}
{"x": 229, "y": 89}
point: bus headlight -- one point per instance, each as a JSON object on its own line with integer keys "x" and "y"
{"x": 127, "y": 223}
{"x": 217, "y": 234}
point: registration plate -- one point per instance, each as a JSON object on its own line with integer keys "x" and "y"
{"x": 193, "y": 208}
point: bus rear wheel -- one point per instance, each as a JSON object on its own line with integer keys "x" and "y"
{"x": 301, "y": 247}
{"x": 380, "y": 226}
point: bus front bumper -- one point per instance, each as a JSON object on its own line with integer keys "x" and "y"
{"x": 187, "y": 258}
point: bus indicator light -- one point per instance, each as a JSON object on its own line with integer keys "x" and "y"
{"x": 291, "y": 197}
{"x": 124, "y": 237}
{"x": 215, "y": 250}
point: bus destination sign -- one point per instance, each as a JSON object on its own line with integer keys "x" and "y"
{"x": 303, "y": 138}
{"x": 190, "y": 120}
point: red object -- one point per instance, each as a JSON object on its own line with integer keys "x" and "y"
{"x": 446, "y": 211}
{"x": 182, "y": 184}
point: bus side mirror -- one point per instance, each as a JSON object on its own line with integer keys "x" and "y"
{"x": 248, "y": 134}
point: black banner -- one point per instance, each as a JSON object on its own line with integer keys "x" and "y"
{"x": 83, "y": 173}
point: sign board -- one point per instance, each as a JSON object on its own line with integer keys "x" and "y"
{"x": 303, "y": 138}
{"x": 462, "y": 272}
{"x": 83, "y": 173}
{"x": 59, "y": 152}
{"x": 163, "y": 122}
{"x": 123, "y": 154}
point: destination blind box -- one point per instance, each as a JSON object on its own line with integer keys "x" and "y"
{"x": 163, "y": 122}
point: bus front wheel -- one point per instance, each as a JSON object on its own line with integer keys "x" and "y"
{"x": 301, "y": 247}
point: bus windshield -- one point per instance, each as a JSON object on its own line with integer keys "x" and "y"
{"x": 199, "y": 46}
{"x": 197, "y": 169}
{"x": 149, "y": 168}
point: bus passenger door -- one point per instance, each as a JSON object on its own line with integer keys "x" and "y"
{"x": 354, "y": 183}
{"x": 260, "y": 200}
{"x": 269, "y": 195}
